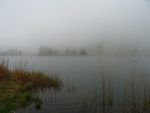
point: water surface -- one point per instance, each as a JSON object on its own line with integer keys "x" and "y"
{"x": 82, "y": 78}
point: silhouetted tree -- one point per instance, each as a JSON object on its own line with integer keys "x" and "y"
{"x": 45, "y": 51}
{"x": 83, "y": 52}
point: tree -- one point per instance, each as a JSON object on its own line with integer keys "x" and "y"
{"x": 83, "y": 52}
{"x": 45, "y": 51}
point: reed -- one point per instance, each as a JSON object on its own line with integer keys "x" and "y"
{"x": 23, "y": 77}
{"x": 133, "y": 94}
{"x": 17, "y": 86}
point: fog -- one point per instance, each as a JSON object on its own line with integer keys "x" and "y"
{"x": 28, "y": 24}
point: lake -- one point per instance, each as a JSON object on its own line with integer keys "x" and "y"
{"x": 83, "y": 80}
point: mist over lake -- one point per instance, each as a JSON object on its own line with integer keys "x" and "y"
{"x": 27, "y": 25}
{"x": 75, "y": 56}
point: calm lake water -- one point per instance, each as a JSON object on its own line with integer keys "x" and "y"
{"x": 82, "y": 78}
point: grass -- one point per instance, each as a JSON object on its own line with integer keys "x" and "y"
{"x": 132, "y": 95}
{"x": 17, "y": 86}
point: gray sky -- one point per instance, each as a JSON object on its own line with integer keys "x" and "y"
{"x": 27, "y": 24}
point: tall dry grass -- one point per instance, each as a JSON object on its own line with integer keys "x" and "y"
{"x": 131, "y": 96}
{"x": 22, "y": 77}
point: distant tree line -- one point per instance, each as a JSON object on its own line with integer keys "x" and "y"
{"x": 74, "y": 52}
{"x": 119, "y": 50}
{"x": 46, "y": 51}
{"x": 11, "y": 52}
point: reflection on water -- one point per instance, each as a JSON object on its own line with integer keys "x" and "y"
{"x": 92, "y": 84}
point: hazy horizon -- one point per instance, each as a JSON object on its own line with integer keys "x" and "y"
{"x": 28, "y": 24}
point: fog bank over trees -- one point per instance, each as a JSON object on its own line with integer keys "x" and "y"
{"x": 101, "y": 49}
{"x": 101, "y": 27}
{"x": 28, "y": 24}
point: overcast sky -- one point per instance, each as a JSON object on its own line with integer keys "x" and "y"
{"x": 27, "y": 24}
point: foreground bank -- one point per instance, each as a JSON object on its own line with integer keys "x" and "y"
{"x": 17, "y": 87}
